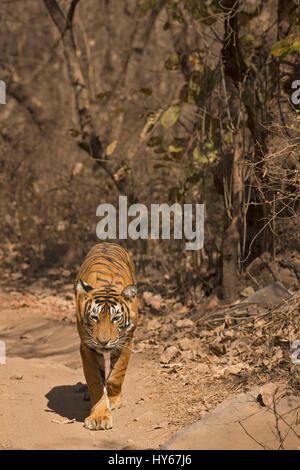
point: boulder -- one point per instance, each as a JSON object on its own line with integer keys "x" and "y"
{"x": 248, "y": 421}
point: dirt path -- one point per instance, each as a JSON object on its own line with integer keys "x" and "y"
{"x": 178, "y": 372}
{"x": 42, "y": 389}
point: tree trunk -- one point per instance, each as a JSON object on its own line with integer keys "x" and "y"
{"x": 232, "y": 236}
{"x": 90, "y": 141}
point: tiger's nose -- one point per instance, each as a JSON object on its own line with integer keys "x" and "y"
{"x": 103, "y": 343}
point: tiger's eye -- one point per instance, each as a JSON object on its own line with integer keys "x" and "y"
{"x": 94, "y": 316}
{"x": 117, "y": 318}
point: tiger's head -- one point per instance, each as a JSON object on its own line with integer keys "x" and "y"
{"x": 107, "y": 316}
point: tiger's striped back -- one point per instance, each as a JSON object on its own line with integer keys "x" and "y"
{"x": 107, "y": 266}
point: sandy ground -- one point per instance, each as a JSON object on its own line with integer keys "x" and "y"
{"x": 41, "y": 386}
{"x": 174, "y": 378}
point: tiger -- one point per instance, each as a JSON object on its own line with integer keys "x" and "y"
{"x": 107, "y": 316}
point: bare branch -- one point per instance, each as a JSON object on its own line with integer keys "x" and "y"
{"x": 90, "y": 140}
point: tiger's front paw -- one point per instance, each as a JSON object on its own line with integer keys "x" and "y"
{"x": 115, "y": 402}
{"x": 97, "y": 421}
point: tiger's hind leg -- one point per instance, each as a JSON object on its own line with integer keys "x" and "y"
{"x": 118, "y": 366}
{"x": 100, "y": 416}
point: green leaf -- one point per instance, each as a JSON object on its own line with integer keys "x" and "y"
{"x": 175, "y": 149}
{"x": 205, "y": 152}
{"x": 228, "y": 138}
{"x": 286, "y": 46}
{"x": 296, "y": 45}
{"x": 198, "y": 155}
{"x": 194, "y": 90}
{"x": 111, "y": 147}
{"x": 152, "y": 118}
{"x": 170, "y": 116}
{"x": 173, "y": 62}
{"x": 281, "y": 47}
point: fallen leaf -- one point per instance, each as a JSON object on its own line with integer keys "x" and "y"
{"x": 111, "y": 147}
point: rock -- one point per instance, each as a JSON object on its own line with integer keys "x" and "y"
{"x": 212, "y": 303}
{"x": 169, "y": 354}
{"x": 153, "y": 301}
{"x": 239, "y": 345}
{"x": 247, "y": 291}
{"x": 233, "y": 369}
{"x": 188, "y": 354}
{"x": 153, "y": 324}
{"x": 273, "y": 294}
{"x": 271, "y": 393}
{"x": 185, "y": 323}
{"x": 288, "y": 278}
{"x": 202, "y": 368}
{"x": 179, "y": 308}
{"x": 65, "y": 273}
{"x": 165, "y": 331}
{"x": 241, "y": 423}
{"x": 186, "y": 343}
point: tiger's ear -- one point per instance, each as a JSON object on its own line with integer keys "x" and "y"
{"x": 82, "y": 287}
{"x": 130, "y": 292}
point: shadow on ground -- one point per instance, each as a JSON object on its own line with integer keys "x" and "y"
{"x": 68, "y": 401}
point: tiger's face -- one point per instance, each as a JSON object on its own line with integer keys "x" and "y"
{"x": 107, "y": 317}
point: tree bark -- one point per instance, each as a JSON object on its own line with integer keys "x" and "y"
{"x": 243, "y": 79}
{"x": 90, "y": 140}
{"x": 233, "y": 233}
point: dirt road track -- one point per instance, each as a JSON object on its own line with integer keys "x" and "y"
{"x": 41, "y": 389}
